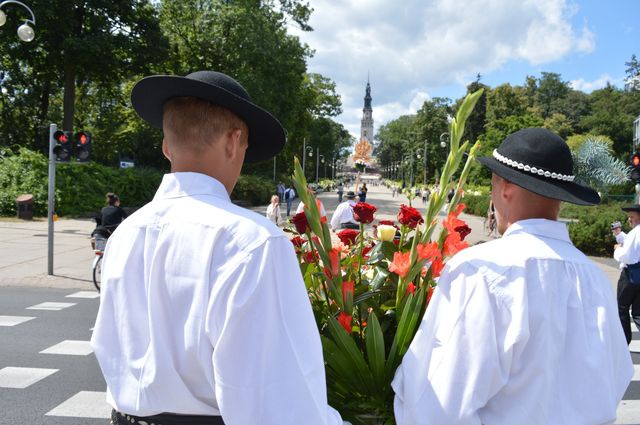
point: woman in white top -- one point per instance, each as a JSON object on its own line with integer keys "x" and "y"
{"x": 273, "y": 210}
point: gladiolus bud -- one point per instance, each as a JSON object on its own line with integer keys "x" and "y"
{"x": 385, "y": 232}
{"x": 345, "y": 321}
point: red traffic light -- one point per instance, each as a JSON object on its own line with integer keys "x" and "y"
{"x": 635, "y": 160}
{"x": 83, "y": 139}
{"x": 61, "y": 137}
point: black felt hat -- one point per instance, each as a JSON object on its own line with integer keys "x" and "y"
{"x": 266, "y": 135}
{"x": 634, "y": 207}
{"x": 350, "y": 195}
{"x": 540, "y": 161}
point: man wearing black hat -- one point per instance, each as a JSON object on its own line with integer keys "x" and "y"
{"x": 522, "y": 329}
{"x": 628, "y": 254}
{"x": 343, "y": 215}
{"x": 197, "y": 323}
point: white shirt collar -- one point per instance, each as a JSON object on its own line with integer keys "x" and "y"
{"x": 177, "y": 185}
{"x": 540, "y": 227}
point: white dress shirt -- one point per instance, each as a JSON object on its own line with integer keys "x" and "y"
{"x": 520, "y": 330}
{"x": 629, "y": 252}
{"x": 343, "y": 214}
{"x": 203, "y": 311}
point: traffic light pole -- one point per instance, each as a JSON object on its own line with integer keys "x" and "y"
{"x": 51, "y": 198}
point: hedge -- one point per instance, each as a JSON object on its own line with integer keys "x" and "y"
{"x": 81, "y": 188}
{"x": 589, "y": 227}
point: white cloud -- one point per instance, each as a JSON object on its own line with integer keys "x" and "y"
{"x": 416, "y": 46}
{"x": 589, "y": 86}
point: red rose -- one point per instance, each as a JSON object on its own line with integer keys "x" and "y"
{"x": 297, "y": 241}
{"x": 310, "y": 257}
{"x": 300, "y": 221}
{"x": 348, "y": 236}
{"x": 409, "y": 216}
{"x": 363, "y": 212}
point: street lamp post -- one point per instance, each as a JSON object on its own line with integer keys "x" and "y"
{"x": 424, "y": 172}
{"x": 305, "y": 148}
{"x": 318, "y": 156}
{"x": 443, "y": 144}
{"x": 25, "y": 32}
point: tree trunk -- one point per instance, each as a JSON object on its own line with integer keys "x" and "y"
{"x": 42, "y": 142}
{"x": 69, "y": 102}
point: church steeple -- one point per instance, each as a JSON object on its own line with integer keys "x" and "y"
{"x": 366, "y": 125}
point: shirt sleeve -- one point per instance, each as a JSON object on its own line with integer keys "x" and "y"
{"x": 629, "y": 253}
{"x": 267, "y": 353}
{"x": 459, "y": 358}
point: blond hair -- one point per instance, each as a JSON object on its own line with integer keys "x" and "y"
{"x": 197, "y": 123}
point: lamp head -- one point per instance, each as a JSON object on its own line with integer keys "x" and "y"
{"x": 3, "y": 18}
{"x": 26, "y": 33}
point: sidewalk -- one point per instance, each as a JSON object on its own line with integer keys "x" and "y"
{"x": 23, "y": 244}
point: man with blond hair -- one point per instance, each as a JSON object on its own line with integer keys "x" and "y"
{"x": 197, "y": 323}
{"x": 522, "y": 329}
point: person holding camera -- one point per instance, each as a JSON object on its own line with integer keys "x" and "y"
{"x": 628, "y": 254}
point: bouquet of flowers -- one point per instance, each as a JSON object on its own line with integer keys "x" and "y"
{"x": 360, "y": 165}
{"x": 369, "y": 292}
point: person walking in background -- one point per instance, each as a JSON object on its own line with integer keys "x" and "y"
{"x": 628, "y": 254}
{"x": 280, "y": 188}
{"x": 204, "y": 317}
{"x": 289, "y": 196}
{"x": 273, "y": 210}
{"x": 112, "y": 215}
{"x": 425, "y": 195}
{"x": 340, "y": 191}
{"x": 363, "y": 193}
{"x": 521, "y": 329}
{"x": 616, "y": 229}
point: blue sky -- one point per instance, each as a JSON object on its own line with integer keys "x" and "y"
{"x": 418, "y": 49}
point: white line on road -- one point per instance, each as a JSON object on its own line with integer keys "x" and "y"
{"x": 22, "y": 377}
{"x": 85, "y": 404}
{"x": 70, "y": 348}
{"x": 14, "y": 320}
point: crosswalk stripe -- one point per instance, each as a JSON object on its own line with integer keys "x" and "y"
{"x": 22, "y": 377}
{"x": 51, "y": 306}
{"x": 84, "y": 294}
{"x": 14, "y": 320}
{"x": 70, "y": 348}
{"x": 85, "y": 404}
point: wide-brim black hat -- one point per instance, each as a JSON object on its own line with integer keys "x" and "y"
{"x": 634, "y": 207}
{"x": 350, "y": 195}
{"x": 266, "y": 135}
{"x": 538, "y": 160}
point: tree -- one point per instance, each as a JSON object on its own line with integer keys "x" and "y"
{"x": 632, "y": 79}
{"x": 559, "y": 124}
{"x": 77, "y": 44}
{"x": 610, "y": 117}
{"x": 504, "y": 101}
{"x": 550, "y": 92}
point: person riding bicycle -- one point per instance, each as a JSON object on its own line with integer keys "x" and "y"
{"x": 112, "y": 215}
{"x": 109, "y": 218}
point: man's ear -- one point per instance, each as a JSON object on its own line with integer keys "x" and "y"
{"x": 165, "y": 149}
{"x": 234, "y": 145}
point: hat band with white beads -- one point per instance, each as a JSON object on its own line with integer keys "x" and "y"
{"x": 531, "y": 169}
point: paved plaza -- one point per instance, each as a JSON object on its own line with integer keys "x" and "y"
{"x": 48, "y": 373}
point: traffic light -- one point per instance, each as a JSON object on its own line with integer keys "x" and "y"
{"x": 634, "y": 161}
{"x": 83, "y": 146}
{"x": 62, "y": 148}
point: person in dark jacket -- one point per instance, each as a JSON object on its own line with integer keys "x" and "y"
{"x": 112, "y": 214}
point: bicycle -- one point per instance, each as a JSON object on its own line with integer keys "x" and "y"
{"x": 98, "y": 242}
